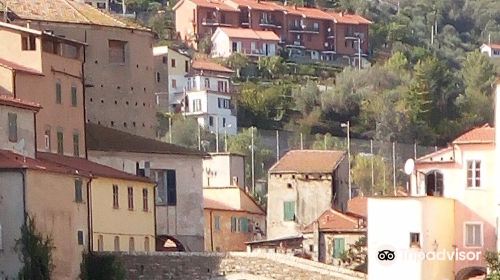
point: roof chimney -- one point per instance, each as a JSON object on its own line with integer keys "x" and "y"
{"x": 295, "y": 6}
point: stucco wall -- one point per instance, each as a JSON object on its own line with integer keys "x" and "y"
{"x": 11, "y": 219}
{"x": 121, "y": 222}
{"x": 219, "y": 170}
{"x": 50, "y": 198}
{"x": 183, "y": 221}
{"x": 25, "y": 130}
{"x": 6, "y": 81}
{"x": 130, "y": 84}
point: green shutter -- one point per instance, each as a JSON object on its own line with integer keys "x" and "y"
{"x": 74, "y": 99}
{"x": 338, "y": 247}
{"x": 233, "y": 224}
{"x": 244, "y": 224}
{"x": 289, "y": 210}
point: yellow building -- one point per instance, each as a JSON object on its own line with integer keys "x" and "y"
{"x": 122, "y": 210}
{"x": 232, "y": 217}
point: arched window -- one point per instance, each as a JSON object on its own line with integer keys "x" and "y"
{"x": 434, "y": 183}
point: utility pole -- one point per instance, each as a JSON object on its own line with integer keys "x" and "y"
{"x": 373, "y": 171}
{"x": 348, "y": 126}
{"x": 216, "y": 134}
{"x": 170, "y": 130}
{"x": 394, "y": 166}
{"x": 253, "y": 160}
{"x": 301, "y": 142}
{"x": 277, "y": 145}
{"x": 359, "y": 53}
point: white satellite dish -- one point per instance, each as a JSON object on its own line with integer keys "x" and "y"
{"x": 409, "y": 166}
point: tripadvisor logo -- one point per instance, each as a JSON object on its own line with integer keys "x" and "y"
{"x": 388, "y": 255}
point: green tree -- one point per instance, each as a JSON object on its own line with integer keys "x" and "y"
{"x": 493, "y": 266}
{"x": 328, "y": 142}
{"x": 272, "y": 66}
{"x": 237, "y": 61}
{"x": 241, "y": 143}
{"x": 307, "y": 98}
{"x": 362, "y": 174}
{"x": 35, "y": 252}
{"x": 101, "y": 267}
{"x": 185, "y": 132}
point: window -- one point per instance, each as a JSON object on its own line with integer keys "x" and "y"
{"x": 117, "y": 244}
{"x": 74, "y": 98}
{"x": 100, "y": 243}
{"x": 196, "y": 105}
{"x": 146, "y": 244}
{"x": 12, "y": 119}
{"x": 211, "y": 121}
{"x": 172, "y": 63}
{"x": 473, "y": 235}
{"x": 115, "y": 197}
{"x": 130, "y": 196}
{"x": 222, "y": 86}
{"x": 28, "y": 43}
{"x": 131, "y": 245}
{"x": 223, "y": 122}
{"x": 224, "y": 103}
{"x": 473, "y": 173}
{"x": 243, "y": 225}
{"x": 157, "y": 77}
{"x": 164, "y": 60}
{"x": 338, "y": 247}
{"x": 60, "y": 143}
{"x": 289, "y": 210}
{"x": 79, "y": 236}
{"x": 235, "y": 47}
{"x": 58, "y": 93}
{"x": 116, "y": 51}
{"x": 234, "y": 221}
{"x": 316, "y": 26}
{"x": 207, "y": 83}
{"x": 174, "y": 83}
{"x": 145, "y": 200}
{"x": 414, "y": 239}
{"x": 217, "y": 222}
{"x": 46, "y": 137}
{"x": 186, "y": 66}
{"x": 171, "y": 188}
{"x": 76, "y": 145}
{"x": 78, "y": 191}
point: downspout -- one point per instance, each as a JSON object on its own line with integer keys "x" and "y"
{"x": 154, "y": 216}
{"x": 84, "y": 100}
{"x": 89, "y": 216}
{"x": 23, "y": 174}
{"x": 14, "y": 83}
{"x": 211, "y": 232}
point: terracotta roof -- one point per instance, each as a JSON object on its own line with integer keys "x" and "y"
{"x": 100, "y": 138}
{"x": 207, "y": 65}
{"x": 88, "y": 167}
{"x": 10, "y": 160}
{"x": 308, "y": 161}
{"x": 18, "y": 67}
{"x": 247, "y": 33}
{"x": 217, "y": 205}
{"x": 67, "y": 11}
{"x": 216, "y": 4}
{"x": 358, "y": 206}
{"x": 9, "y": 100}
{"x": 430, "y": 158}
{"x": 258, "y": 5}
{"x": 479, "y": 135}
{"x": 493, "y": 46}
{"x": 332, "y": 220}
{"x": 350, "y": 18}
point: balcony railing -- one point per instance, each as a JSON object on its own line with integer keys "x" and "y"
{"x": 212, "y": 22}
{"x": 330, "y": 33}
{"x": 304, "y": 29}
{"x": 269, "y": 23}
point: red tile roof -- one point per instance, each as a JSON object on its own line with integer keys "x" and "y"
{"x": 259, "y": 5}
{"x": 207, "y": 65}
{"x": 217, "y": 205}
{"x": 91, "y": 168}
{"x": 308, "y": 161}
{"x": 9, "y": 100}
{"x": 18, "y": 67}
{"x": 479, "y": 135}
{"x": 332, "y": 220}
{"x": 493, "y": 46}
{"x": 358, "y": 206}
{"x": 11, "y": 160}
{"x": 215, "y": 4}
{"x": 246, "y": 33}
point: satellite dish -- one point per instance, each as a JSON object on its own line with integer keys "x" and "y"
{"x": 409, "y": 166}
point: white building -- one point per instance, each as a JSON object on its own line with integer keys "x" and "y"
{"x": 223, "y": 170}
{"x": 256, "y": 43}
{"x": 492, "y": 50}
{"x": 208, "y": 97}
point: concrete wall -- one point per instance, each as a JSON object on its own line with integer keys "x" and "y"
{"x": 220, "y": 169}
{"x": 122, "y": 93}
{"x": 109, "y": 222}
{"x": 207, "y": 266}
{"x": 50, "y": 198}
{"x": 183, "y": 221}
{"x": 25, "y": 130}
{"x": 11, "y": 219}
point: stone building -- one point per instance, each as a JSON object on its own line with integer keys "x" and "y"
{"x": 302, "y": 185}
{"x": 176, "y": 170}
{"x": 118, "y": 69}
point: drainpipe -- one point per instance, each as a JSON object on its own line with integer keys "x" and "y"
{"x": 211, "y": 232}
{"x": 14, "y": 83}
{"x": 154, "y": 215}
{"x": 84, "y": 100}
{"x": 89, "y": 215}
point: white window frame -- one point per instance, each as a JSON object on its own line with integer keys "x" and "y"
{"x": 473, "y": 223}
{"x": 481, "y": 183}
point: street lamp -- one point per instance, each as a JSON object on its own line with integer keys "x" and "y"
{"x": 348, "y": 126}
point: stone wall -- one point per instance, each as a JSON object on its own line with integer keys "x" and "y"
{"x": 209, "y": 266}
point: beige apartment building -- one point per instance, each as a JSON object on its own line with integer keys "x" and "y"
{"x": 119, "y": 74}
{"x": 40, "y": 67}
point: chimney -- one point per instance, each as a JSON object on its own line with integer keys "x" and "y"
{"x": 295, "y": 6}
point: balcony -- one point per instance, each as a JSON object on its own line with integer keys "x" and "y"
{"x": 330, "y": 33}
{"x": 304, "y": 29}
{"x": 269, "y": 23}
{"x": 295, "y": 45}
{"x": 354, "y": 36}
{"x": 213, "y": 22}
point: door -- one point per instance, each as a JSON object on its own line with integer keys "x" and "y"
{"x": 338, "y": 247}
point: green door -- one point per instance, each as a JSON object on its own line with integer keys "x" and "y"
{"x": 338, "y": 247}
